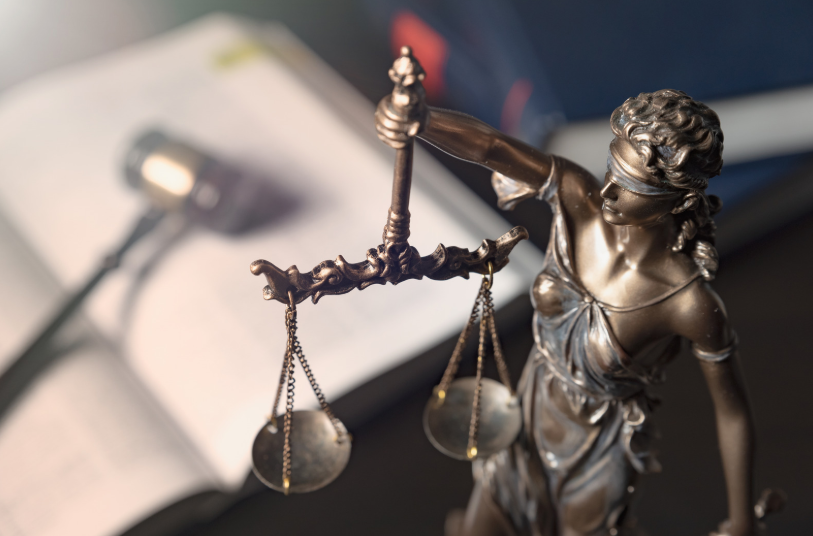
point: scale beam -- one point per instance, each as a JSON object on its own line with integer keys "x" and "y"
{"x": 340, "y": 277}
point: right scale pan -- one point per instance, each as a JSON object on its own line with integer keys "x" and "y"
{"x": 446, "y": 420}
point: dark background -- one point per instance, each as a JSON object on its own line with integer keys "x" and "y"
{"x": 596, "y": 54}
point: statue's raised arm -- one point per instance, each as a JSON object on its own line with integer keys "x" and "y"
{"x": 521, "y": 171}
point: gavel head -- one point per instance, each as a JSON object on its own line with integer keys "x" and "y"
{"x": 177, "y": 177}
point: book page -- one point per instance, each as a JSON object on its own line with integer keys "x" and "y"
{"x": 188, "y": 314}
{"x": 84, "y": 452}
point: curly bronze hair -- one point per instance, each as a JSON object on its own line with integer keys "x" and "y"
{"x": 681, "y": 145}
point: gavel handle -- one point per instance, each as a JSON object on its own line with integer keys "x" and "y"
{"x": 38, "y": 355}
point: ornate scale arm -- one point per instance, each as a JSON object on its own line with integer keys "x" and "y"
{"x": 395, "y": 260}
{"x": 340, "y": 276}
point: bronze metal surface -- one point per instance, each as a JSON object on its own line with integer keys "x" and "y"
{"x": 625, "y": 278}
{"x": 394, "y": 260}
{"x": 309, "y": 447}
{"x": 446, "y": 420}
{"x": 317, "y": 454}
{"x": 340, "y": 276}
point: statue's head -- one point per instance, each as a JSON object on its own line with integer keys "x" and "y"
{"x": 667, "y": 147}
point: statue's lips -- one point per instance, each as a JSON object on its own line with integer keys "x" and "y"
{"x": 608, "y": 208}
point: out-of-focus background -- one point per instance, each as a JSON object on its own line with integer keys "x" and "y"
{"x": 80, "y": 80}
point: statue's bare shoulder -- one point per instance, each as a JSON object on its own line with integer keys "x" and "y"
{"x": 579, "y": 190}
{"x": 700, "y": 316}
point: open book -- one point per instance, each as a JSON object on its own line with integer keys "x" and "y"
{"x": 172, "y": 368}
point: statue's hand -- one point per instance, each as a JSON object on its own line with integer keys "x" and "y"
{"x": 771, "y": 501}
{"x": 395, "y": 129}
{"x": 725, "y": 529}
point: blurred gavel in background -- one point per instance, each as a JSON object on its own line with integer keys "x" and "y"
{"x": 175, "y": 178}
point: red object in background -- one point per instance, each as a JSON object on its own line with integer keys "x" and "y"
{"x": 427, "y": 45}
{"x": 514, "y": 105}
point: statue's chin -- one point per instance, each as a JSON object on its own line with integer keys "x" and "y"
{"x": 612, "y": 217}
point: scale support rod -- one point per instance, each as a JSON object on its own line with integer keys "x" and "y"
{"x": 394, "y": 260}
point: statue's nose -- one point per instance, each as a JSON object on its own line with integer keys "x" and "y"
{"x": 609, "y": 190}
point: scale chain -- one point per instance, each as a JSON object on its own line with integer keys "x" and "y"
{"x": 474, "y": 426}
{"x": 297, "y": 349}
{"x": 282, "y": 375}
{"x": 454, "y": 362}
{"x": 502, "y": 368}
{"x": 289, "y": 406}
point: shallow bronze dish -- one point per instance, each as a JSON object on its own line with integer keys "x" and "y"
{"x": 318, "y": 456}
{"x": 446, "y": 420}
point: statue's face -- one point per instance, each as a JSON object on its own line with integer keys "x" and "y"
{"x": 623, "y": 206}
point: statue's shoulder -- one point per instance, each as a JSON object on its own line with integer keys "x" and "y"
{"x": 700, "y": 316}
{"x": 578, "y": 189}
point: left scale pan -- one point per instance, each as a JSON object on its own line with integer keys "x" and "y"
{"x": 318, "y": 453}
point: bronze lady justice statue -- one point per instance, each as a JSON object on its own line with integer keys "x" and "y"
{"x": 625, "y": 278}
